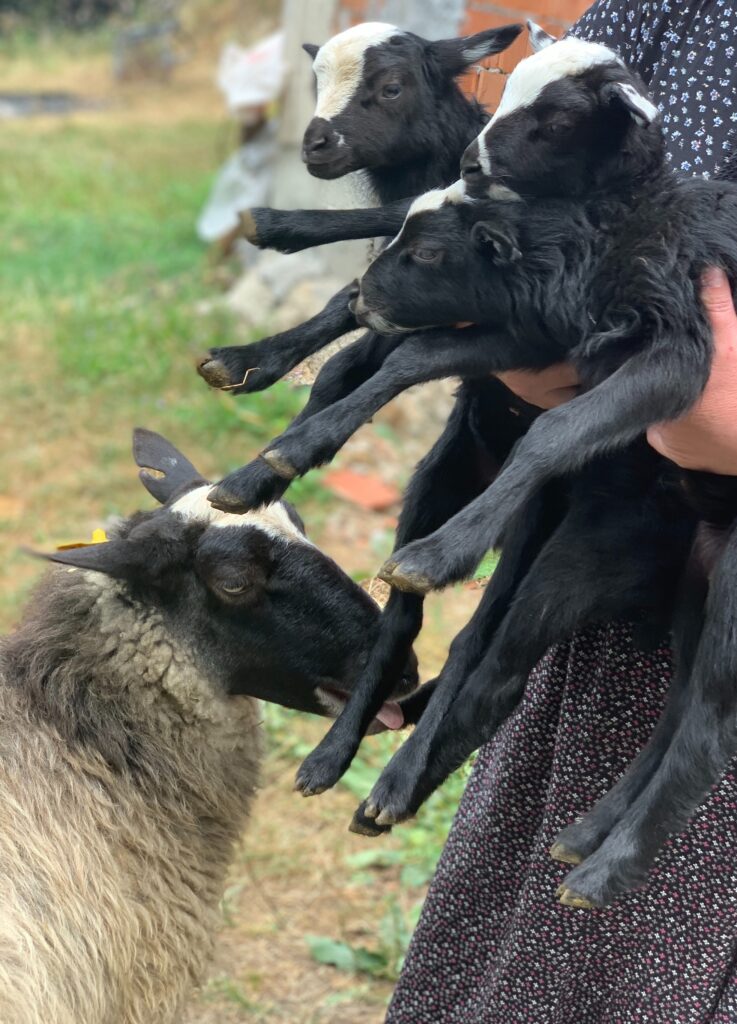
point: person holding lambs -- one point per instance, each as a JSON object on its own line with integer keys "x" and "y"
{"x": 492, "y": 945}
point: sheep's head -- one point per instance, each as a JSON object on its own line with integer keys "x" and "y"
{"x": 263, "y": 611}
{"x": 449, "y": 262}
{"x": 572, "y": 119}
{"x": 378, "y": 90}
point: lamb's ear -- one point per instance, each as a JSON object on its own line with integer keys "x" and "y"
{"x": 164, "y": 470}
{"x": 117, "y": 558}
{"x": 539, "y": 38}
{"x": 455, "y": 55}
{"x": 623, "y": 95}
{"x": 496, "y": 242}
{"x": 310, "y": 49}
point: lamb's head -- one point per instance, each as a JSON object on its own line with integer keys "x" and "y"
{"x": 572, "y": 119}
{"x": 259, "y": 608}
{"x": 450, "y": 262}
{"x": 378, "y": 92}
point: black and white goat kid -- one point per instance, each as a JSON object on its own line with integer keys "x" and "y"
{"x": 631, "y": 321}
{"x": 388, "y": 106}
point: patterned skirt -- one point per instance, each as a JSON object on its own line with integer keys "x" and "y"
{"x": 494, "y": 946}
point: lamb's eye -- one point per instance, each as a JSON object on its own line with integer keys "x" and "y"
{"x": 391, "y": 91}
{"x": 557, "y": 128}
{"x": 426, "y": 255}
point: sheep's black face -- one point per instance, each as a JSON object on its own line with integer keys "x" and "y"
{"x": 448, "y": 264}
{"x": 572, "y": 119}
{"x": 378, "y": 94}
{"x": 262, "y": 610}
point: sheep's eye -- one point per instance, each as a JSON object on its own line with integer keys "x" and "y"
{"x": 390, "y": 92}
{"x": 426, "y": 255}
{"x": 233, "y": 587}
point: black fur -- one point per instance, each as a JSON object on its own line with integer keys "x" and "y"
{"x": 262, "y": 616}
{"x": 644, "y": 357}
{"x": 406, "y": 145}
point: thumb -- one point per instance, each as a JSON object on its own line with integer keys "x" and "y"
{"x": 716, "y": 295}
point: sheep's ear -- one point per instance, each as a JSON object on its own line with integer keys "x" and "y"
{"x": 455, "y": 55}
{"x": 117, "y": 558}
{"x": 495, "y": 242}
{"x": 623, "y": 95}
{"x": 539, "y": 38}
{"x": 164, "y": 470}
{"x": 310, "y": 49}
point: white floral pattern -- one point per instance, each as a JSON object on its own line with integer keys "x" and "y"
{"x": 493, "y": 945}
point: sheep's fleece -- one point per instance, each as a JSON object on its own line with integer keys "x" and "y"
{"x": 109, "y": 880}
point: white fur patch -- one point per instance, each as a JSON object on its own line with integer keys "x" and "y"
{"x": 271, "y": 519}
{"x": 339, "y": 64}
{"x": 563, "y": 59}
{"x": 647, "y": 109}
{"x": 452, "y": 195}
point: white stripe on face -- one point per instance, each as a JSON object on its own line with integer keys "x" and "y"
{"x": 339, "y": 65}
{"x": 433, "y": 200}
{"x": 453, "y": 194}
{"x": 271, "y": 519}
{"x": 563, "y": 59}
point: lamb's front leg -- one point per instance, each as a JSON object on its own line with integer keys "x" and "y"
{"x": 451, "y": 474}
{"x": 244, "y": 369}
{"x": 647, "y": 389}
{"x": 428, "y": 355}
{"x": 295, "y": 230}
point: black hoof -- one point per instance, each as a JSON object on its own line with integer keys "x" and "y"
{"x": 249, "y": 226}
{"x": 363, "y": 825}
{"x": 213, "y": 372}
{"x": 281, "y": 465}
{"x": 571, "y": 898}
{"x": 250, "y": 487}
{"x": 322, "y": 769}
{"x": 405, "y": 580}
{"x": 562, "y": 853}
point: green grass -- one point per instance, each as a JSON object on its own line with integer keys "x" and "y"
{"x": 410, "y": 852}
{"x": 102, "y": 283}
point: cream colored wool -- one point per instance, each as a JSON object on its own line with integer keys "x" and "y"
{"x": 110, "y": 877}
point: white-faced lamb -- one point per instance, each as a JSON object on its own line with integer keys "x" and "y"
{"x": 129, "y": 740}
{"x": 579, "y": 130}
{"x": 603, "y": 270}
{"x": 388, "y": 105}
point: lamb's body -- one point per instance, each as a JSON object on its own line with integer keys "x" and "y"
{"x": 110, "y": 876}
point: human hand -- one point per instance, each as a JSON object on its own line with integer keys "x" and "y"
{"x": 705, "y": 438}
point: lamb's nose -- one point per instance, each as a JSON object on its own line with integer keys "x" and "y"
{"x": 471, "y": 169}
{"x": 356, "y": 303}
{"x": 316, "y": 144}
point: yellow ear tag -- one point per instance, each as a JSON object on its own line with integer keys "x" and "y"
{"x": 98, "y": 537}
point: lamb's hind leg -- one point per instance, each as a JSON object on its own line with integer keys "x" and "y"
{"x": 244, "y": 369}
{"x": 550, "y": 604}
{"x": 579, "y": 840}
{"x": 609, "y": 417}
{"x": 703, "y": 742}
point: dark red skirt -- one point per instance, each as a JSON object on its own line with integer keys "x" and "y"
{"x": 494, "y": 946}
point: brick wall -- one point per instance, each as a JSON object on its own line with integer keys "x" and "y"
{"x": 487, "y": 84}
